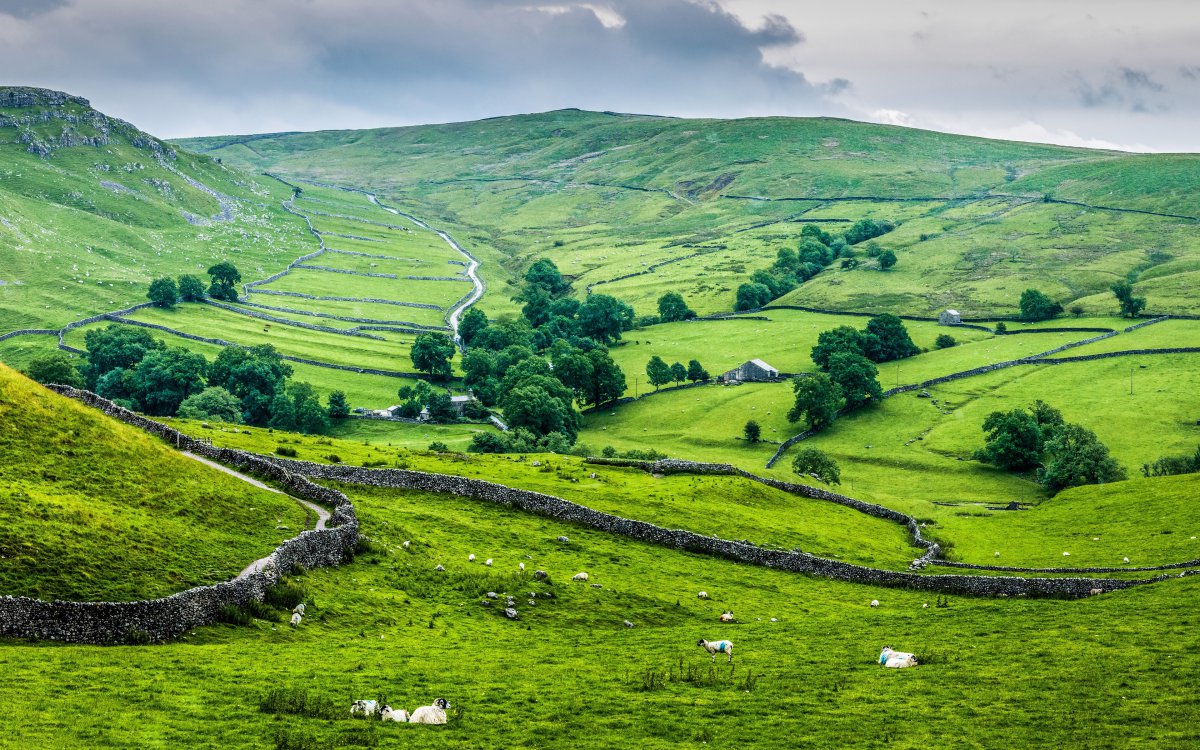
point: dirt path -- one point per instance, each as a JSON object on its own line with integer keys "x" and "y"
{"x": 322, "y": 514}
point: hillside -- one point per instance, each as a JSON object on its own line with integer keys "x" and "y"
{"x": 94, "y": 510}
{"x": 92, "y": 209}
{"x": 612, "y": 198}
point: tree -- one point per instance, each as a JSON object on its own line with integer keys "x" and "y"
{"x": 812, "y": 462}
{"x": 603, "y": 318}
{"x": 543, "y": 273}
{"x": 752, "y": 297}
{"x": 1075, "y": 456}
{"x": 892, "y": 341}
{"x": 658, "y": 371}
{"x": 191, "y": 288}
{"x": 886, "y": 259}
{"x": 695, "y": 372}
{"x": 1001, "y": 327}
{"x": 254, "y": 375}
{"x": 213, "y": 403}
{"x": 1130, "y": 306}
{"x": 537, "y": 305}
{"x": 752, "y": 431}
{"x": 472, "y": 322}
{"x": 431, "y": 354}
{"x": 283, "y": 412}
{"x": 671, "y": 307}
{"x": 441, "y": 408}
{"x": 54, "y": 367}
{"x": 501, "y": 335}
{"x": 608, "y": 380}
{"x": 840, "y": 339}
{"x": 818, "y": 400}
{"x": 867, "y": 229}
{"x": 856, "y": 376}
{"x": 539, "y": 407}
{"x": 814, "y": 232}
{"x": 487, "y": 442}
{"x": 678, "y": 372}
{"x": 116, "y": 346}
{"x": 163, "y": 292}
{"x": 944, "y": 341}
{"x": 224, "y": 278}
{"x": 1036, "y": 306}
{"x": 1013, "y": 442}
{"x": 165, "y": 377}
{"x": 338, "y": 407}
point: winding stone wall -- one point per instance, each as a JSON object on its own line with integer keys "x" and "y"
{"x": 29, "y": 332}
{"x": 294, "y": 323}
{"x": 328, "y": 269}
{"x": 302, "y": 295}
{"x": 167, "y": 617}
{"x": 348, "y": 319}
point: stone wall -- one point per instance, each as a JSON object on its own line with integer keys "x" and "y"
{"x": 167, "y": 617}
{"x": 374, "y": 300}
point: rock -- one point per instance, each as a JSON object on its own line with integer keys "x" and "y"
{"x": 440, "y": 568}
{"x": 596, "y": 586}
{"x": 540, "y": 575}
{"x": 563, "y": 539}
{"x": 511, "y": 614}
{"x": 532, "y": 603}
{"x": 492, "y": 595}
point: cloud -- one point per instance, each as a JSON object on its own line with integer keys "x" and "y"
{"x": 892, "y": 117}
{"x": 1123, "y": 87}
{"x": 28, "y": 8}
{"x": 252, "y": 65}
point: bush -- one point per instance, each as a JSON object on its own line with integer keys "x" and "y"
{"x": 333, "y": 458}
{"x": 813, "y": 462}
{"x": 1001, "y": 328}
{"x": 296, "y": 702}
{"x": 284, "y": 450}
{"x": 438, "y": 446}
{"x": 752, "y": 431}
{"x": 944, "y": 341}
{"x": 232, "y": 614}
{"x": 286, "y": 594}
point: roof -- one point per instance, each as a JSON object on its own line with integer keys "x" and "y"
{"x": 952, "y": 312}
{"x": 762, "y": 364}
{"x": 461, "y": 399}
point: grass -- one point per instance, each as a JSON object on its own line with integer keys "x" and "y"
{"x": 94, "y": 510}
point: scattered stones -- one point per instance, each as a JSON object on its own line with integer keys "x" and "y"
{"x": 511, "y": 614}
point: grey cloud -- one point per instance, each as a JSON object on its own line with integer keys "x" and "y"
{"x": 1139, "y": 79}
{"x": 1190, "y": 72}
{"x": 28, "y": 8}
{"x": 1127, "y": 88}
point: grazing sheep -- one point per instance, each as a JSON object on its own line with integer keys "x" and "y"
{"x": 874, "y": 602}
{"x": 521, "y": 566}
{"x": 471, "y": 557}
{"x": 440, "y": 568}
{"x": 407, "y": 543}
{"x": 1066, "y": 554}
{"x": 579, "y": 577}
{"x": 896, "y": 659}
{"x": 716, "y": 647}
{"x": 390, "y": 714}
{"x": 1097, "y": 592}
{"x": 296, "y": 617}
{"x": 433, "y": 714}
{"x": 299, "y": 608}
{"x": 925, "y": 605}
{"x": 1127, "y": 559}
{"x": 997, "y": 554}
{"x": 702, "y": 595}
{"x": 726, "y": 616}
{"x": 488, "y": 562}
{"x": 362, "y": 708}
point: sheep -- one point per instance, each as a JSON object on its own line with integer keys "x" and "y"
{"x": 390, "y": 714}
{"x": 1097, "y": 592}
{"x": 579, "y": 577}
{"x": 925, "y": 605}
{"x": 488, "y": 562}
{"x": 521, "y": 567}
{"x": 432, "y": 714}
{"x": 628, "y": 624}
{"x": 1127, "y": 559}
{"x": 702, "y": 595}
{"x": 997, "y": 554}
{"x": 717, "y": 647}
{"x": 362, "y": 708}
{"x": 440, "y": 568}
{"x": 471, "y": 557}
{"x": 1066, "y": 554}
{"x": 726, "y": 616}
{"x": 296, "y": 617}
{"x": 299, "y": 608}
{"x": 874, "y": 602}
{"x": 896, "y": 659}
{"x": 407, "y": 543}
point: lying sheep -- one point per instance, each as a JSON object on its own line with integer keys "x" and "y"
{"x": 390, "y": 714}
{"x": 434, "y": 714}
{"x": 299, "y": 608}
{"x": 362, "y": 708}
{"x": 579, "y": 577}
{"x": 716, "y": 647}
{"x": 296, "y": 617}
{"x": 726, "y": 617}
{"x": 896, "y": 659}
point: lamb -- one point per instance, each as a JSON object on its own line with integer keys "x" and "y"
{"x": 362, "y": 708}
{"x": 579, "y": 577}
{"x": 433, "y": 714}
{"x": 296, "y": 617}
{"x": 727, "y": 616}
{"x": 896, "y": 659}
{"x": 390, "y": 714}
{"x": 717, "y": 647}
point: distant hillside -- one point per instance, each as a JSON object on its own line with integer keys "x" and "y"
{"x": 612, "y": 198}
{"x": 92, "y": 509}
{"x": 92, "y": 209}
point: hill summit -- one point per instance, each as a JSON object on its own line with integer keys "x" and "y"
{"x": 47, "y": 120}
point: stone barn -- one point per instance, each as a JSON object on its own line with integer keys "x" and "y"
{"x": 949, "y": 318}
{"x": 753, "y": 371}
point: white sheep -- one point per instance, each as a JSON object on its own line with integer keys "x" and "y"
{"x": 1097, "y": 592}
{"x": 874, "y": 602}
{"x": 702, "y": 595}
{"x": 390, "y": 714}
{"x": 726, "y": 616}
{"x": 407, "y": 543}
{"x": 433, "y": 714}
{"x": 299, "y": 608}
{"x": 521, "y": 566}
{"x": 471, "y": 557}
{"x": 362, "y": 708}
{"x": 1127, "y": 559}
{"x": 579, "y": 577}
{"x": 296, "y": 617}
{"x": 716, "y": 647}
{"x": 1066, "y": 554}
{"x": 488, "y": 562}
{"x": 896, "y": 659}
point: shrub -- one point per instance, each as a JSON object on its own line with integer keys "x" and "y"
{"x": 286, "y": 594}
{"x": 752, "y": 431}
{"x": 284, "y": 450}
{"x": 1077, "y": 310}
{"x": 296, "y": 702}
{"x": 944, "y": 341}
{"x": 1001, "y": 328}
{"x": 232, "y": 614}
{"x": 811, "y": 461}
{"x": 333, "y": 458}
{"x": 438, "y": 446}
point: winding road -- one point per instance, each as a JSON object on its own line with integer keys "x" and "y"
{"x": 323, "y": 515}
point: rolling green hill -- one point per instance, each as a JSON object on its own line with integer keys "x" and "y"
{"x": 94, "y": 510}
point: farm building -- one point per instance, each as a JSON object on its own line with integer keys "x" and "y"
{"x": 458, "y": 402}
{"x": 753, "y": 371}
{"x": 949, "y": 318}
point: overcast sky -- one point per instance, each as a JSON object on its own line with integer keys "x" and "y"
{"x": 1109, "y": 73}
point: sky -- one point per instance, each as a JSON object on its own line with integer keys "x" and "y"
{"x": 1106, "y": 73}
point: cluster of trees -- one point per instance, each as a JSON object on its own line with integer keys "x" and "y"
{"x": 660, "y": 373}
{"x": 1172, "y": 465}
{"x": 165, "y": 292}
{"x": 817, "y": 249}
{"x": 1131, "y": 306}
{"x": 884, "y": 339}
{"x": 1064, "y": 454}
{"x": 538, "y": 367}
{"x": 1036, "y": 306}
{"x": 431, "y": 354}
{"x": 673, "y": 308}
{"x": 139, "y": 372}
